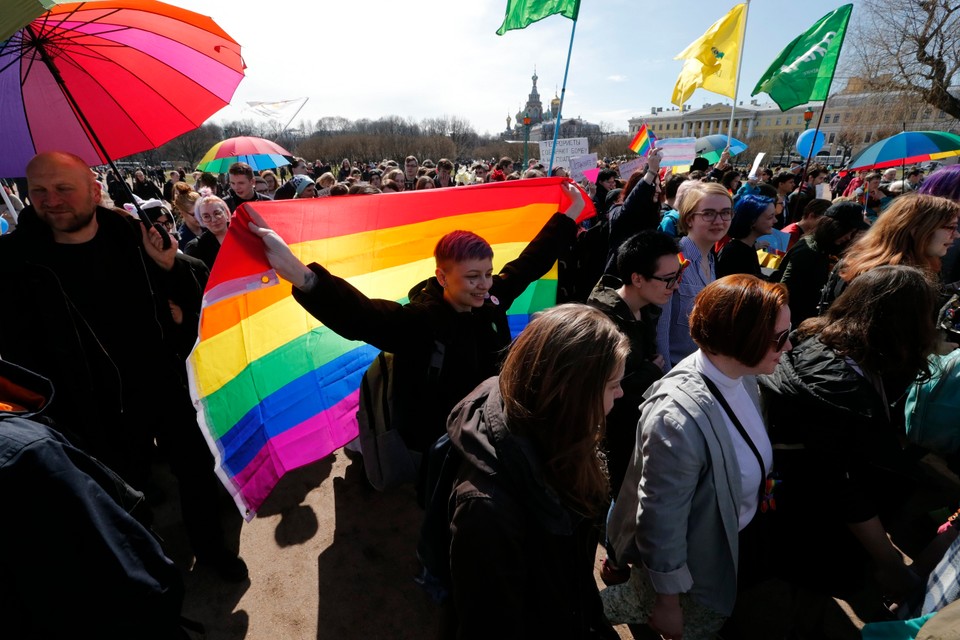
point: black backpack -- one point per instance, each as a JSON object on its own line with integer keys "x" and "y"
{"x": 386, "y": 460}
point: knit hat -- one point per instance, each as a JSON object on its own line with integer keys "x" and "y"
{"x": 300, "y": 183}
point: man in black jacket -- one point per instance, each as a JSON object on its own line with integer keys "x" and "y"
{"x": 242, "y": 186}
{"x": 96, "y": 304}
{"x": 648, "y": 270}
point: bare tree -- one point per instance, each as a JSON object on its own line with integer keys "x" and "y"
{"x": 191, "y": 146}
{"x": 847, "y": 139}
{"x": 613, "y": 146}
{"x": 912, "y": 47}
{"x": 785, "y": 141}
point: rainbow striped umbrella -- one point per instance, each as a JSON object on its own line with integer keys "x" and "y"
{"x": 908, "y": 147}
{"x": 106, "y": 79}
{"x": 256, "y": 152}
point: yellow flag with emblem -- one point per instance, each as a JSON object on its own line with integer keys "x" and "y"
{"x": 711, "y": 60}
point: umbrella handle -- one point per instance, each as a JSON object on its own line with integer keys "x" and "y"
{"x": 148, "y": 223}
{"x": 163, "y": 235}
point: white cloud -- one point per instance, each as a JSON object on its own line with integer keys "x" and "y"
{"x": 616, "y": 78}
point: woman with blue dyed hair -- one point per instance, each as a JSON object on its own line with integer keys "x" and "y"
{"x": 753, "y": 216}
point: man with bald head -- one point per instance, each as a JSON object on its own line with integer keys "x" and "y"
{"x": 96, "y": 304}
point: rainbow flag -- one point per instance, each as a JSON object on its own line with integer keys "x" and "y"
{"x": 274, "y": 389}
{"x": 643, "y": 142}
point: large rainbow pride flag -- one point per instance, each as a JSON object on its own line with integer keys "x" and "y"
{"x": 275, "y": 389}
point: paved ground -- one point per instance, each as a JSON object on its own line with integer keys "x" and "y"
{"x": 330, "y": 558}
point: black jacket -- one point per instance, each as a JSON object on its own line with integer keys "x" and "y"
{"x": 233, "y": 201}
{"x": 804, "y": 270}
{"x": 639, "y": 374}
{"x": 146, "y": 190}
{"x": 639, "y": 211}
{"x": 473, "y": 342}
{"x": 837, "y": 449}
{"x": 110, "y": 347}
{"x": 76, "y": 562}
{"x": 204, "y": 248}
{"x": 521, "y": 561}
{"x": 737, "y": 257}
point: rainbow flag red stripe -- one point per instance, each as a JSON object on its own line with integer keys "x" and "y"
{"x": 643, "y": 142}
{"x": 275, "y": 389}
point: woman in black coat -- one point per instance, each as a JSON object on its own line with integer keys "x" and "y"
{"x": 531, "y": 485}
{"x": 836, "y": 423}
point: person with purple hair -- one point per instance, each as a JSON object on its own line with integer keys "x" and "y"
{"x": 945, "y": 182}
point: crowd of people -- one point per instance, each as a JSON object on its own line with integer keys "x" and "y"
{"x": 694, "y": 410}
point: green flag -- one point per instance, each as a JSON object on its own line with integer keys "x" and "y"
{"x": 804, "y": 69}
{"x": 523, "y": 13}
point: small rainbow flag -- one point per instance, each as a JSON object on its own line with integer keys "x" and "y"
{"x": 275, "y": 389}
{"x": 643, "y": 142}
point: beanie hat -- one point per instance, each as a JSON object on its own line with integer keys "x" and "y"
{"x": 300, "y": 183}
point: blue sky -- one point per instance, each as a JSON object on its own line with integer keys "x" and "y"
{"x": 424, "y": 59}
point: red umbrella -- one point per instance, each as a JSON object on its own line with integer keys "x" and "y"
{"x": 110, "y": 78}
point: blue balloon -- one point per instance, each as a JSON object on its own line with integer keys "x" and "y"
{"x": 806, "y": 139}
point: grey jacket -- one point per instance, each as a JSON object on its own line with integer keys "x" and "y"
{"x": 677, "y": 514}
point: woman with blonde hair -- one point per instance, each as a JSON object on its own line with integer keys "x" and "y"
{"x": 273, "y": 182}
{"x": 184, "y": 204}
{"x": 705, "y": 213}
{"x": 327, "y": 180}
{"x": 915, "y": 230}
{"x": 531, "y": 483}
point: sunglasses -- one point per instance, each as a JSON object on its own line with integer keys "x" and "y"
{"x": 781, "y": 338}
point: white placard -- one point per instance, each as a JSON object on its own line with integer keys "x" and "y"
{"x": 582, "y": 163}
{"x": 677, "y": 152}
{"x": 627, "y": 168}
{"x": 567, "y": 148}
{"x": 756, "y": 165}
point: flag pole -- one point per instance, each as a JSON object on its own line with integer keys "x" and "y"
{"x": 299, "y": 109}
{"x": 563, "y": 91}
{"x": 806, "y": 165}
{"x": 736, "y": 86}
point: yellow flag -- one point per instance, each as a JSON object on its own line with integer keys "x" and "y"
{"x": 711, "y": 60}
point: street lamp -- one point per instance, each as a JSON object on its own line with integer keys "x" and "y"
{"x": 807, "y": 117}
{"x": 526, "y": 137}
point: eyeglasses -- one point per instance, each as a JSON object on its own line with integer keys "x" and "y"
{"x": 672, "y": 281}
{"x": 951, "y": 228}
{"x": 781, "y": 338}
{"x": 710, "y": 215}
{"x": 207, "y": 217}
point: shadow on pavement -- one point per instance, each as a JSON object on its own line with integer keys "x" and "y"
{"x": 365, "y": 577}
{"x": 298, "y": 521}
